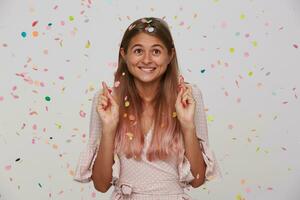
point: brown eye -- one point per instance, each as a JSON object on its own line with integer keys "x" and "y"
{"x": 138, "y": 51}
{"x": 156, "y": 51}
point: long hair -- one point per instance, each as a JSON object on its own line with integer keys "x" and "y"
{"x": 167, "y": 138}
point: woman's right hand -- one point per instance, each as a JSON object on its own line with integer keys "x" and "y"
{"x": 108, "y": 108}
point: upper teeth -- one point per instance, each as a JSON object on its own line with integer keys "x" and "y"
{"x": 147, "y": 69}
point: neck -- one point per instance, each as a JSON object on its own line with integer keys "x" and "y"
{"x": 147, "y": 91}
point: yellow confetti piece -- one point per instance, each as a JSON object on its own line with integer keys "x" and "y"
{"x": 242, "y": 16}
{"x": 231, "y": 50}
{"x": 130, "y": 135}
{"x": 174, "y": 114}
{"x": 254, "y": 43}
{"x": 210, "y": 118}
{"x": 239, "y": 197}
{"x": 71, "y": 18}
{"x": 257, "y": 149}
{"x": 88, "y": 44}
{"x": 127, "y": 103}
{"x": 250, "y": 73}
{"x": 58, "y": 125}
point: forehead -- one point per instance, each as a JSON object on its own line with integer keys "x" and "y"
{"x": 145, "y": 40}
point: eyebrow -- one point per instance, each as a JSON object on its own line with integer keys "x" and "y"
{"x": 155, "y": 45}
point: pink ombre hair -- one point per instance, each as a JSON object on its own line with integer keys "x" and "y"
{"x": 167, "y": 137}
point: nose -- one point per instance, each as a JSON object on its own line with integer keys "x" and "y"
{"x": 147, "y": 58}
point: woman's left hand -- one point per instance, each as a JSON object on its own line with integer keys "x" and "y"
{"x": 185, "y": 106}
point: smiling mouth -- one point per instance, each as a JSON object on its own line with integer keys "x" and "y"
{"x": 147, "y": 69}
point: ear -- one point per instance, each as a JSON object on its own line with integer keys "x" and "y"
{"x": 122, "y": 51}
{"x": 172, "y": 54}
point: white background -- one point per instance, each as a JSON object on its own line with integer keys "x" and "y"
{"x": 252, "y": 120}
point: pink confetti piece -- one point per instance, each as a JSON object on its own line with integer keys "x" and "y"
{"x": 248, "y": 190}
{"x": 61, "y": 77}
{"x": 55, "y": 7}
{"x": 246, "y": 54}
{"x": 93, "y": 194}
{"x": 34, "y": 127}
{"x": 1, "y": 98}
{"x": 33, "y": 141}
{"x": 82, "y": 114}
{"x": 8, "y": 167}
{"x": 14, "y": 88}
{"x": 295, "y": 46}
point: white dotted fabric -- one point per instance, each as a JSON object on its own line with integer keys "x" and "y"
{"x": 144, "y": 179}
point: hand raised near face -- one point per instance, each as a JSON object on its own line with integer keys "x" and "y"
{"x": 108, "y": 108}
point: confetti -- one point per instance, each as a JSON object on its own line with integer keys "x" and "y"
{"x": 174, "y": 114}
{"x": 242, "y": 16}
{"x": 127, "y": 103}
{"x": 117, "y": 83}
{"x": 130, "y": 135}
{"x": 254, "y": 43}
{"x": 47, "y": 98}
{"x": 202, "y": 71}
{"x": 295, "y": 46}
{"x": 210, "y": 118}
{"x": 71, "y": 18}
{"x": 17, "y": 159}
{"x": 8, "y": 167}
{"x": 82, "y": 114}
{"x": 88, "y": 44}
{"x": 250, "y": 73}
{"x": 35, "y": 33}
{"x": 34, "y": 23}
{"x": 231, "y": 50}
{"x": 24, "y": 34}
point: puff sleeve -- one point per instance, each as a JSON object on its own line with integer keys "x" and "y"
{"x": 87, "y": 157}
{"x": 212, "y": 166}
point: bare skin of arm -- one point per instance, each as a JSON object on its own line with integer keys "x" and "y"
{"x": 102, "y": 169}
{"x": 193, "y": 153}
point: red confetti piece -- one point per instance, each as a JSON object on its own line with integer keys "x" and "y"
{"x": 34, "y": 23}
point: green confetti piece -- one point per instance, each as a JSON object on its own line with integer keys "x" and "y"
{"x": 24, "y": 34}
{"x": 47, "y": 98}
{"x": 71, "y": 18}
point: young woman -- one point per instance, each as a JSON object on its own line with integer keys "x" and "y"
{"x": 148, "y": 133}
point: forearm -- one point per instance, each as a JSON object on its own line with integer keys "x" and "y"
{"x": 102, "y": 169}
{"x": 193, "y": 153}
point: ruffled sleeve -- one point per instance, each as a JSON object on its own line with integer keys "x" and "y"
{"x": 87, "y": 157}
{"x": 212, "y": 166}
